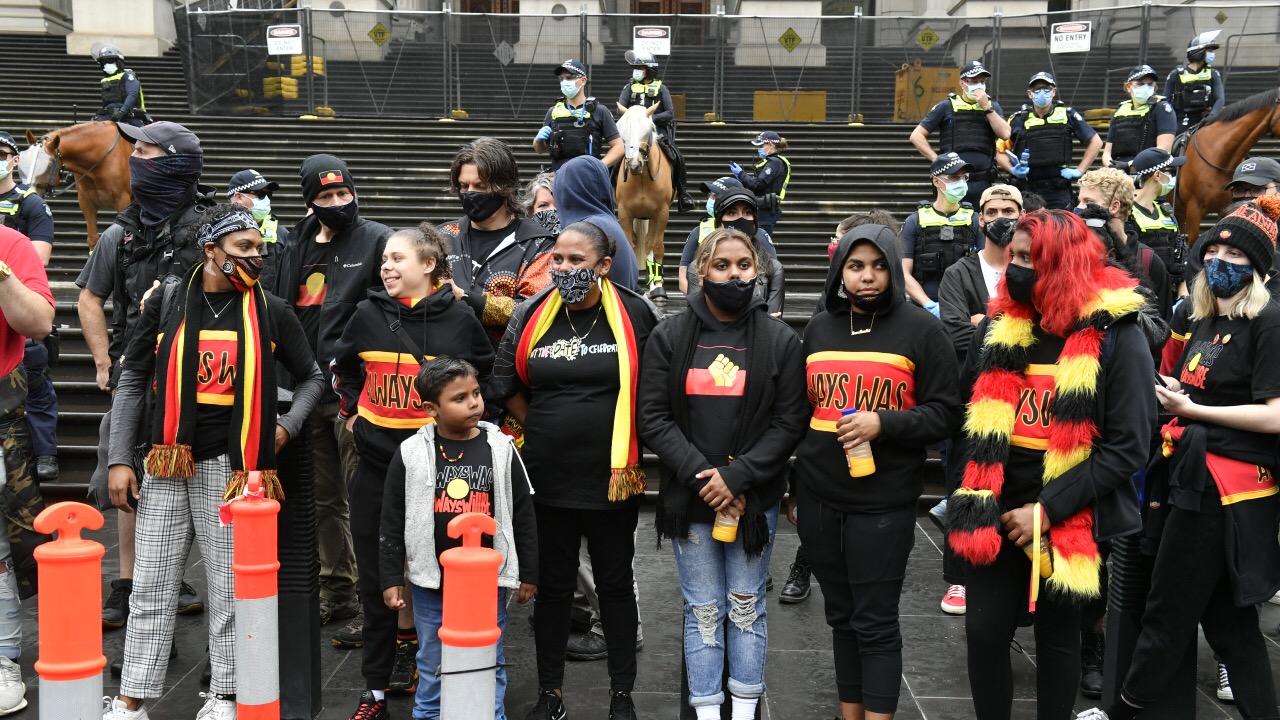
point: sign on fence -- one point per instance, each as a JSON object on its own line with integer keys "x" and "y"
{"x": 917, "y": 88}
{"x": 284, "y": 39}
{"x": 927, "y": 38}
{"x": 655, "y": 39}
{"x": 790, "y": 39}
{"x": 379, "y": 34}
{"x": 1068, "y": 37}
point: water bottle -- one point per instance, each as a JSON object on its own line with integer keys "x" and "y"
{"x": 859, "y": 459}
{"x": 725, "y": 528}
{"x": 1026, "y": 157}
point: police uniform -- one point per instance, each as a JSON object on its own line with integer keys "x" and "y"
{"x": 1049, "y": 140}
{"x": 1156, "y": 226}
{"x": 122, "y": 97}
{"x": 586, "y": 129}
{"x": 768, "y": 179}
{"x": 275, "y": 236}
{"x": 935, "y": 241}
{"x": 1135, "y": 126}
{"x": 25, "y": 211}
{"x": 966, "y": 132}
{"x": 1196, "y": 94}
{"x": 652, "y": 91}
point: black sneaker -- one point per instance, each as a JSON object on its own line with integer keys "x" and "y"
{"x": 796, "y": 588}
{"x": 621, "y": 706}
{"x": 586, "y": 647}
{"x": 351, "y": 636}
{"x": 334, "y": 611}
{"x": 404, "y": 669}
{"x": 550, "y": 706}
{"x": 1091, "y": 646}
{"x": 115, "y": 611}
{"x": 189, "y": 602}
{"x": 47, "y": 468}
{"x": 370, "y": 708}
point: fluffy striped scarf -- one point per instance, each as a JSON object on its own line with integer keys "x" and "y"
{"x": 625, "y": 478}
{"x": 973, "y": 513}
{"x": 251, "y": 442}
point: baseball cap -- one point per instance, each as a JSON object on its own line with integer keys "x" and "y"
{"x": 974, "y": 69}
{"x": 7, "y": 140}
{"x": 1042, "y": 77}
{"x": 766, "y": 136}
{"x": 1000, "y": 191}
{"x": 1255, "y": 171}
{"x": 1154, "y": 159}
{"x": 720, "y": 186}
{"x": 575, "y": 67}
{"x": 1142, "y": 71}
{"x": 250, "y": 181}
{"x": 948, "y": 164}
{"x": 173, "y": 138}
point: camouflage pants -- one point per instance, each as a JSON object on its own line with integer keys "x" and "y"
{"x": 20, "y": 498}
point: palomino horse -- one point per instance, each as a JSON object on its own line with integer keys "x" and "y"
{"x": 1214, "y": 150}
{"x": 92, "y": 151}
{"x": 644, "y": 191}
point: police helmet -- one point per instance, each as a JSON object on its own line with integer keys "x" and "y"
{"x": 1201, "y": 43}
{"x": 105, "y": 52}
{"x": 641, "y": 58}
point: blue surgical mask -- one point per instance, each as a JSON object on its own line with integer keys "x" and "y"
{"x": 1209, "y": 57}
{"x": 569, "y": 88}
{"x": 1167, "y": 186}
{"x": 1225, "y": 278}
{"x": 711, "y": 206}
{"x": 1041, "y": 98}
{"x": 955, "y": 191}
{"x": 975, "y": 89}
{"x": 261, "y": 208}
{"x": 762, "y": 152}
{"x": 1143, "y": 93}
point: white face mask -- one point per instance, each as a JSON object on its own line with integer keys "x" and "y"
{"x": 975, "y": 89}
{"x": 1143, "y": 93}
{"x": 5, "y": 169}
{"x": 261, "y": 208}
{"x": 637, "y": 75}
{"x": 1209, "y": 57}
{"x": 109, "y": 69}
{"x": 569, "y": 88}
{"x": 1168, "y": 185}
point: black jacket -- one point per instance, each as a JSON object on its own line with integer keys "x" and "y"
{"x": 374, "y": 365}
{"x": 769, "y": 426}
{"x": 352, "y": 272}
{"x": 513, "y": 271}
{"x": 962, "y": 294}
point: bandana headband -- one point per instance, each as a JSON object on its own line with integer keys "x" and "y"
{"x": 213, "y": 231}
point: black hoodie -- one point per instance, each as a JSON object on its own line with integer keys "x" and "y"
{"x": 904, "y": 369}
{"x": 374, "y": 367}
{"x": 699, "y": 372}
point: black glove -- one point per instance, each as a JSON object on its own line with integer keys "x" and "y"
{"x": 116, "y": 115}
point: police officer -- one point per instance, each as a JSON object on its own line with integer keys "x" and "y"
{"x": 1143, "y": 121}
{"x": 1042, "y": 132}
{"x": 1154, "y": 172}
{"x": 939, "y": 233}
{"x": 249, "y": 189}
{"x": 577, "y": 124}
{"x": 646, "y": 89}
{"x": 1195, "y": 87}
{"x": 970, "y": 122}
{"x": 714, "y": 189}
{"x": 25, "y": 211}
{"x": 769, "y": 179}
{"x": 122, "y": 98}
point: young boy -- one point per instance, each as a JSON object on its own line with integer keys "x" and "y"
{"x": 458, "y": 464}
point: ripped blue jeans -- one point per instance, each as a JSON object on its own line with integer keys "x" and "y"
{"x": 724, "y": 607}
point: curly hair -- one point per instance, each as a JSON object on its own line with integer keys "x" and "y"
{"x": 1114, "y": 184}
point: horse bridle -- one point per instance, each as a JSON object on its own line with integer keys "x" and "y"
{"x": 644, "y": 153}
{"x": 55, "y": 171}
{"x": 1271, "y": 118}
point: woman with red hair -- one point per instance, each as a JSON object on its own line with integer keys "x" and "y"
{"x": 1057, "y": 424}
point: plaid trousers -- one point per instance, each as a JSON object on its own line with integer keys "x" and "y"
{"x": 171, "y": 512}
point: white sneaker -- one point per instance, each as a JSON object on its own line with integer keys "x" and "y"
{"x": 1224, "y": 685}
{"x": 1274, "y": 599}
{"x": 216, "y": 708}
{"x": 12, "y": 690}
{"x": 115, "y": 709}
{"x": 1093, "y": 714}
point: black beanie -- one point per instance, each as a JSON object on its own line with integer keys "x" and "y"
{"x": 322, "y": 172}
{"x": 1251, "y": 228}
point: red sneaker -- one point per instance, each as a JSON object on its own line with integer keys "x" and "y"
{"x": 953, "y": 601}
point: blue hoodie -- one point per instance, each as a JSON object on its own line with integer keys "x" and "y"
{"x": 583, "y": 192}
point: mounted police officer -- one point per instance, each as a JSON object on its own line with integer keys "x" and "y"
{"x": 122, "y": 98}
{"x": 768, "y": 179}
{"x": 970, "y": 123}
{"x": 25, "y": 211}
{"x": 577, "y": 124}
{"x": 941, "y": 232}
{"x": 1042, "y": 132}
{"x": 1195, "y": 87}
{"x": 1145, "y": 120}
{"x": 249, "y": 189}
{"x": 1154, "y": 173}
{"x": 645, "y": 89}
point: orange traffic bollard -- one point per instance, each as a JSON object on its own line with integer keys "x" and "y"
{"x": 70, "y": 607}
{"x": 469, "y": 629}
{"x": 253, "y": 521}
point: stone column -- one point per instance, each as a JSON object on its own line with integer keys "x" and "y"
{"x": 36, "y": 17}
{"x": 140, "y": 28}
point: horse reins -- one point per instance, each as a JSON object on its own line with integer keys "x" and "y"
{"x": 1227, "y": 171}
{"x": 55, "y": 171}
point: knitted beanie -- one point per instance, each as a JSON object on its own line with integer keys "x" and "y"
{"x": 1251, "y": 228}
{"x": 323, "y": 172}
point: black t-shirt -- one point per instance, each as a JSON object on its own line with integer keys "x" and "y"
{"x": 480, "y": 243}
{"x": 1023, "y": 479}
{"x": 216, "y": 373}
{"x": 1232, "y": 361}
{"x": 312, "y": 288}
{"x": 573, "y": 390}
{"x": 715, "y": 384}
{"x": 464, "y": 483}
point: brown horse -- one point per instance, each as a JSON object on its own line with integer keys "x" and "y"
{"x": 92, "y": 151}
{"x": 1213, "y": 152}
{"x": 644, "y": 191}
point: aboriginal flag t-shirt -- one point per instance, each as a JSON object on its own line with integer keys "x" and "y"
{"x": 464, "y": 483}
{"x": 312, "y": 289}
{"x": 715, "y": 385}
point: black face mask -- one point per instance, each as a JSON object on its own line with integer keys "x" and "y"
{"x": 480, "y": 206}
{"x": 160, "y": 184}
{"x": 871, "y": 304}
{"x": 1021, "y": 282}
{"x": 1093, "y": 214}
{"x": 731, "y": 296}
{"x": 999, "y": 231}
{"x": 746, "y": 226}
{"x": 337, "y": 217}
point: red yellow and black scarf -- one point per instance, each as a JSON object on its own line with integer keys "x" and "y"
{"x": 626, "y": 478}
{"x": 251, "y": 442}
{"x": 973, "y": 518}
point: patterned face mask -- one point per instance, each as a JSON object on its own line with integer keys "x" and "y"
{"x": 573, "y": 285}
{"x": 1227, "y": 278}
{"x": 549, "y": 220}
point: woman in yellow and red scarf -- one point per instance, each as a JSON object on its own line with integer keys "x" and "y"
{"x": 1212, "y": 487}
{"x": 201, "y": 367}
{"x": 1059, "y": 420}
{"x": 567, "y": 368}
